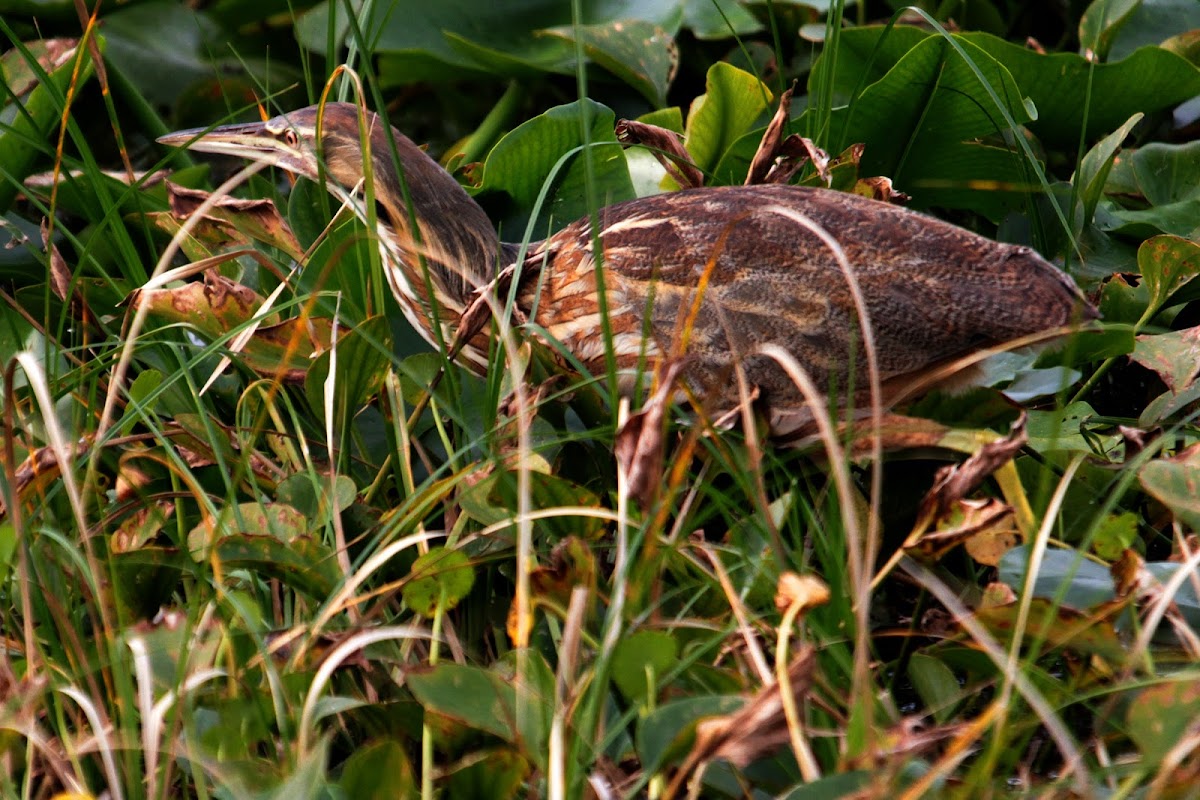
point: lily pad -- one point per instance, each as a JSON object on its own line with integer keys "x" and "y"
{"x": 438, "y": 581}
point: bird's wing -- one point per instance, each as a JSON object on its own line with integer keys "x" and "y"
{"x": 726, "y": 270}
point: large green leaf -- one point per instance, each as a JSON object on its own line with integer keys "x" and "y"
{"x": 423, "y": 41}
{"x": 180, "y": 58}
{"x": 1162, "y": 716}
{"x": 1148, "y": 80}
{"x": 1059, "y": 84}
{"x": 490, "y": 701}
{"x": 1064, "y": 575}
{"x": 1167, "y": 265}
{"x": 732, "y": 102}
{"x": 1175, "y": 482}
{"x": 667, "y": 732}
{"x": 640, "y": 53}
{"x": 1153, "y": 22}
{"x": 525, "y": 161}
{"x": 438, "y": 581}
{"x": 718, "y": 19}
{"x": 1094, "y": 168}
{"x": 1167, "y": 176}
{"x": 923, "y": 123}
{"x": 641, "y": 658}
{"x": 1101, "y": 23}
{"x": 379, "y": 771}
{"x": 162, "y": 46}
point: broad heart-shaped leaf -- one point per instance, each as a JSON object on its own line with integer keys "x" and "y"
{"x": 1167, "y": 173}
{"x": 1174, "y": 355}
{"x": 732, "y": 102}
{"x": 1165, "y": 176}
{"x": 1167, "y": 264}
{"x": 1175, "y": 482}
{"x": 362, "y": 359}
{"x": 303, "y": 563}
{"x": 379, "y": 771}
{"x": 1162, "y": 716}
{"x": 494, "y": 500}
{"x": 922, "y": 123}
{"x": 666, "y": 733}
{"x": 640, "y": 53}
{"x": 1094, "y": 168}
{"x": 179, "y": 58}
{"x": 719, "y": 19}
{"x": 1099, "y": 25}
{"x": 1060, "y": 428}
{"x": 639, "y": 658}
{"x": 161, "y": 46}
{"x": 524, "y": 162}
{"x": 440, "y": 579}
{"x": 494, "y": 774}
{"x": 490, "y": 701}
{"x": 418, "y": 40}
{"x": 1153, "y": 22}
{"x": 1150, "y": 79}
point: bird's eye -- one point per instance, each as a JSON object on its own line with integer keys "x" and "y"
{"x": 290, "y": 138}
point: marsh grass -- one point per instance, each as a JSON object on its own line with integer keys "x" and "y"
{"x": 227, "y": 593}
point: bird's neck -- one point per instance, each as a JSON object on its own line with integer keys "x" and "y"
{"x": 444, "y": 241}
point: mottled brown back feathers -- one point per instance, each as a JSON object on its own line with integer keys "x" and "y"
{"x": 933, "y": 291}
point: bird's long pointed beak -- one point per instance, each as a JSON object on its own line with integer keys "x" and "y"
{"x": 253, "y": 141}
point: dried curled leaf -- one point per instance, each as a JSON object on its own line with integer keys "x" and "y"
{"x": 639, "y": 444}
{"x": 236, "y": 220}
{"x": 758, "y": 729}
{"x": 985, "y": 526}
{"x": 807, "y": 591}
{"x": 665, "y": 146}
{"x": 956, "y": 481}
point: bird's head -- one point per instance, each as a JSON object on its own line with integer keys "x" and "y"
{"x": 453, "y": 237}
{"x": 303, "y": 141}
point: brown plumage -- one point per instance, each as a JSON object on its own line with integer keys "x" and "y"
{"x": 933, "y": 291}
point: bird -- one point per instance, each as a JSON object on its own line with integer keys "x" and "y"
{"x": 708, "y": 276}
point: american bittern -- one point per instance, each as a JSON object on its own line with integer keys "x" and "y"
{"x": 933, "y": 291}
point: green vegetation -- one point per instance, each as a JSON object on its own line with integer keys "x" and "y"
{"x": 258, "y": 541}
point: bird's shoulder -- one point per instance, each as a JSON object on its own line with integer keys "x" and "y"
{"x": 735, "y": 231}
